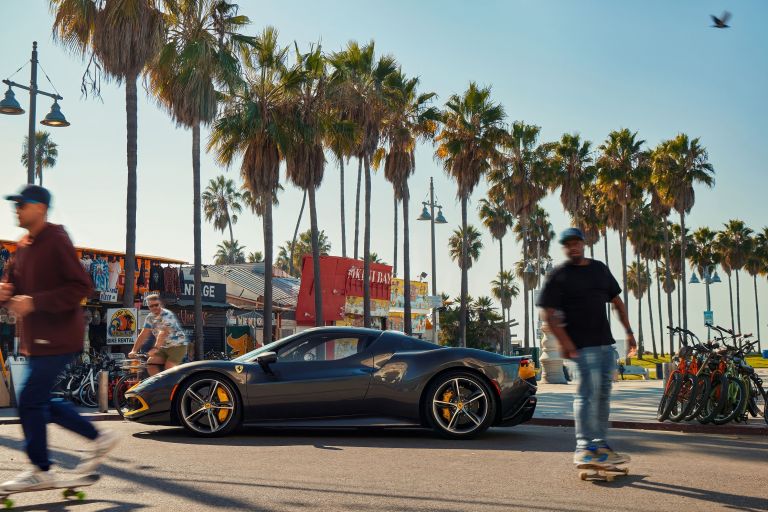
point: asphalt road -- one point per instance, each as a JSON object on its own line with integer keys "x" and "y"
{"x": 523, "y": 468}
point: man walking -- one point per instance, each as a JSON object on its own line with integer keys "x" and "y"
{"x": 44, "y": 287}
{"x": 574, "y": 299}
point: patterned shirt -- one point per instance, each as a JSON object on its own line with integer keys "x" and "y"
{"x": 166, "y": 321}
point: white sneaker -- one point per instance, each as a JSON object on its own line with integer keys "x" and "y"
{"x": 30, "y": 480}
{"x": 98, "y": 450}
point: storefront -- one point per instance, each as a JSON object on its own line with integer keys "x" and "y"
{"x": 342, "y": 292}
{"x": 420, "y": 307}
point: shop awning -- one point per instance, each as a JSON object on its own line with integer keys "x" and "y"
{"x": 184, "y": 303}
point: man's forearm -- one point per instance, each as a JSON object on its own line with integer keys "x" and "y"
{"x": 558, "y": 331}
{"x": 621, "y": 312}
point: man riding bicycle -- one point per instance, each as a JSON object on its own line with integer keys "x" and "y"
{"x": 170, "y": 340}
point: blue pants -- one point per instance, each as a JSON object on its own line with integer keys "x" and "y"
{"x": 592, "y": 404}
{"x": 37, "y": 409}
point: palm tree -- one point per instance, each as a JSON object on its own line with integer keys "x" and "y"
{"x": 504, "y": 289}
{"x": 375, "y": 258}
{"x": 408, "y": 119}
{"x": 738, "y": 244}
{"x": 199, "y": 54}
{"x": 642, "y": 233}
{"x": 123, "y": 37}
{"x": 358, "y": 81}
{"x": 757, "y": 265}
{"x": 297, "y": 251}
{"x": 46, "y": 153}
{"x": 255, "y": 124}
{"x": 573, "y": 171}
{"x": 639, "y": 281}
{"x": 229, "y": 252}
{"x": 468, "y": 146}
{"x": 621, "y": 176}
{"x": 221, "y": 204}
{"x": 684, "y": 163}
{"x": 662, "y": 211}
{"x": 497, "y": 219}
{"x": 255, "y": 257}
{"x": 522, "y": 177}
{"x": 456, "y": 248}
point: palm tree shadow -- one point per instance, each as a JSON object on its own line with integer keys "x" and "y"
{"x": 53, "y": 506}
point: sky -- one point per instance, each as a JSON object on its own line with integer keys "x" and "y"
{"x": 655, "y": 67}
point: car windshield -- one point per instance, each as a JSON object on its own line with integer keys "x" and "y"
{"x": 272, "y": 347}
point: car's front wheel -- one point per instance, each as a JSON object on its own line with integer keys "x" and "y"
{"x": 209, "y": 406}
{"x": 459, "y": 405}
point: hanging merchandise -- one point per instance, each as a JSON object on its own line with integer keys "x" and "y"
{"x": 141, "y": 280}
{"x": 96, "y": 318}
{"x": 114, "y": 272}
{"x": 86, "y": 262}
{"x": 171, "y": 278}
{"x": 156, "y": 281}
{"x": 5, "y": 255}
{"x": 100, "y": 274}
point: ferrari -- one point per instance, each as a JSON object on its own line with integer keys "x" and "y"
{"x": 342, "y": 377}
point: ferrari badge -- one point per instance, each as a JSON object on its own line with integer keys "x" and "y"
{"x": 239, "y": 368}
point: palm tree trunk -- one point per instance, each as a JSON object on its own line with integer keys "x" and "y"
{"x": 650, "y": 312}
{"x": 394, "y": 257}
{"x": 318, "y": 288}
{"x": 605, "y": 249}
{"x": 343, "y": 220}
{"x": 268, "y": 235}
{"x": 131, "y": 111}
{"x": 668, "y": 279}
{"x": 623, "y": 240}
{"x": 730, "y": 297}
{"x": 679, "y": 305}
{"x": 464, "y": 269}
{"x": 738, "y": 302}
{"x": 357, "y": 204}
{"x": 231, "y": 234}
{"x": 407, "y": 319}
{"x": 661, "y": 316}
{"x": 757, "y": 313}
{"x": 40, "y": 174}
{"x": 367, "y": 246}
{"x": 592, "y": 252}
{"x": 526, "y": 336}
{"x": 683, "y": 282}
{"x": 503, "y": 295}
{"x": 198, "y": 257}
{"x": 640, "y": 339}
{"x": 291, "y": 267}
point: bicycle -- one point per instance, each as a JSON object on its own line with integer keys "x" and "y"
{"x": 134, "y": 371}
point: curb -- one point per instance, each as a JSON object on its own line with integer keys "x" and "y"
{"x": 93, "y": 417}
{"x": 665, "y": 427}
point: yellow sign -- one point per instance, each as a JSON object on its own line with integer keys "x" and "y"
{"x": 122, "y": 327}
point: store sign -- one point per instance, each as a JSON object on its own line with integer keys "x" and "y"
{"x": 377, "y": 276}
{"x": 122, "y": 326}
{"x": 212, "y": 292}
{"x": 108, "y": 296}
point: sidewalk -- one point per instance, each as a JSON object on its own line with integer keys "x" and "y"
{"x": 9, "y": 415}
{"x": 633, "y": 405}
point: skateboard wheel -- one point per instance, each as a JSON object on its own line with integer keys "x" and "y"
{"x": 583, "y": 475}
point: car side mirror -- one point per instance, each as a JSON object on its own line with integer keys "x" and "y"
{"x": 266, "y": 359}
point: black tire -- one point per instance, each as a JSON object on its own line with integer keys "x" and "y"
{"x": 669, "y": 397}
{"x": 714, "y": 402}
{"x": 733, "y": 402}
{"x": 703, "y": 385}
{"x": 88, "y": 395}
{"x": 217, "y": 394}
{"x": 685, "y": 399}
{"x": 459, "y": 405}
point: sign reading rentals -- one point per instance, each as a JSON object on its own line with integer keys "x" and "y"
{"x": 122, "y": 326}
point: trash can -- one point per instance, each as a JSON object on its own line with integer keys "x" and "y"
{"x": 660, "y": 371}
{"x": 765, "y": 354}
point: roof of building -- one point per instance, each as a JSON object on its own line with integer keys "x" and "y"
{"x": 285, "y": 290}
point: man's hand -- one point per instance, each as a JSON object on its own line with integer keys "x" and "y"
{"x": 632, "y": 344}
{"x": 132, "y": 355}
{"x": 6, "y": 292}
{"x": 21, "y": 305}
{"x": 568, "y": 351}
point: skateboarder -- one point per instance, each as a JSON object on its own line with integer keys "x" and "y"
{"x": 573, "y": 299}
{"x": 44, "y": 287}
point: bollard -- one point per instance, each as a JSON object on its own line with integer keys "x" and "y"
{"x": 103, "y": 391}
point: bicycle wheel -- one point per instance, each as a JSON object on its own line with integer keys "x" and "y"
{"x": 733, "y": 401}
{"x": 715, "y": 401}
{"x": 669, "y": 398}
{"x": 703, "y": 385}
{"x": 88, "y": 394}
{"x": 122, "y": 385}
{"x": 685, "y": 399}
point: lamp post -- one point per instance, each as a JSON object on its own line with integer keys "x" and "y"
{"x": 430, "y": 216}
{"x": 709, "y": 276}
{"x": 10, "y": 106}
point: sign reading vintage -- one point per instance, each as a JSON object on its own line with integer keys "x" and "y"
{"x": 122, "y": 326}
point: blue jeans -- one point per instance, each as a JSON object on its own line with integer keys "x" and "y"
{"x": 37, "y": 409}
{"x": 591, "y": 406}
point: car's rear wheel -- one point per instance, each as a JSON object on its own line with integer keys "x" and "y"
{"x": 459, "y": 405}
{"x": 209, "y": 406}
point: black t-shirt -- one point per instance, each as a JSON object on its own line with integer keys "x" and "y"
{"x": 581, "y": 292}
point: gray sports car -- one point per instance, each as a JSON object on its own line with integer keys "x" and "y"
{"x": 342, "y": 377}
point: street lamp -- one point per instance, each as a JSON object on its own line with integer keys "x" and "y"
{"x": 708, "y": 276}
{"x": 430, "y": 216}
{"x": 10, "y": 106}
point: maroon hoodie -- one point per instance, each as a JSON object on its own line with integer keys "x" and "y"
{"x": 47, "y": 269}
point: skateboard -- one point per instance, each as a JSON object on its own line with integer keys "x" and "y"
{"x": 70, "y": 489}
{"x": 605, "y": 472}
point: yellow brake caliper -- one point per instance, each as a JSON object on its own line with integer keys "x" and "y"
{"x": 446, "y": 410}
{"x": 223, "y": 397}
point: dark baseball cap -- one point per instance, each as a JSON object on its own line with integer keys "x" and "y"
{"x": 571, "y": 234}
{"x": 32, "y": 194}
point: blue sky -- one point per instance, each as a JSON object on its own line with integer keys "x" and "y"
{"x": 593, "y": 66}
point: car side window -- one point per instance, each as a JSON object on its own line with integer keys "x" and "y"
{"x": 323, "y": 347}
